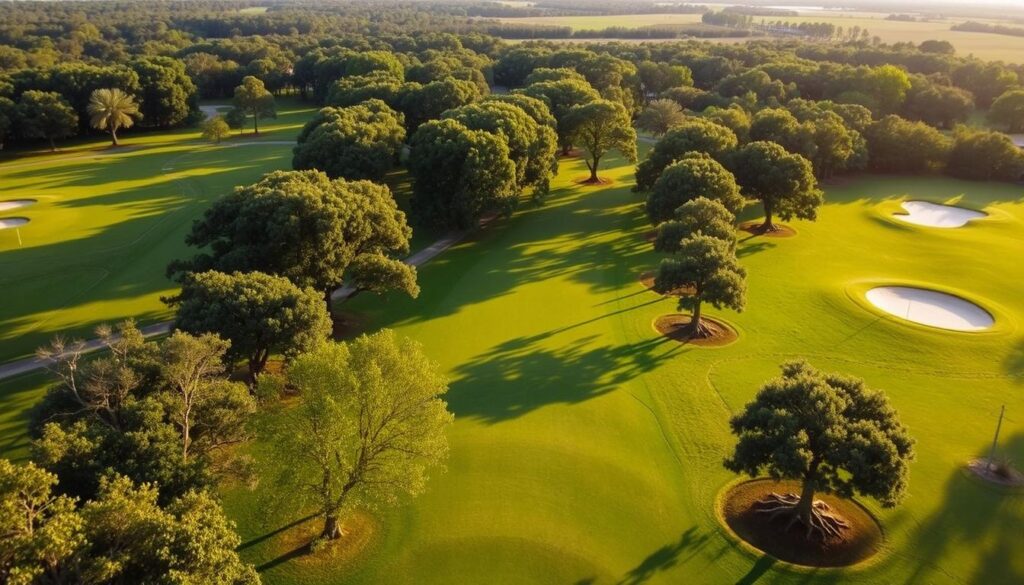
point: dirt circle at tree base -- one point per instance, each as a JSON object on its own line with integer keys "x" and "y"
{"x": 584, "y": 180}
{"x": 1007, "y": 477}
{"x": 780, "y": 231}
{"x": 361, "y": 532}
{"x": 675, "y": 326}
{"x": 740, "y": 509}
{"x": 647, "y": 280}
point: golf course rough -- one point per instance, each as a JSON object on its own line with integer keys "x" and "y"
{"x": 935, "y": 215}
{"x": 931, "y": 308}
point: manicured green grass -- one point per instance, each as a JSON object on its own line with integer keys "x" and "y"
{"x": 982, "y": 45}
{"x": 588, "y": 450}
{"x": 108, "y": 221}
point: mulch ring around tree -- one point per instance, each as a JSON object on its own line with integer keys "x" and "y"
{"x": 651, "y": 235}
{"x": 1001, "y": 474}
{"x": 780, "y": 231}
{"x": 647, "y": 280}
{"x": 300, "y": 541}
{"x": 586, "y": 182}
{"x": 676, "y": 326}
{"x": 742, "y": 507}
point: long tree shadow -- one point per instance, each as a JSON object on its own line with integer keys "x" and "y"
{"x": 982, "y": 517}
{"x": 515, "y": 377}
{"x": 667, "y": 557}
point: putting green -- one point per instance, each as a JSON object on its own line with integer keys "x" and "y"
{"x": 586, "y": 448}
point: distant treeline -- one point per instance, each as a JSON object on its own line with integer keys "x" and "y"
{"x": 999, "y": 29}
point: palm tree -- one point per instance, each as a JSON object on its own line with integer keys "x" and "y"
{"x": 111, "y": 110}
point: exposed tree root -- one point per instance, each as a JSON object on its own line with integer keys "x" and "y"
{"x": 823, "y": 522}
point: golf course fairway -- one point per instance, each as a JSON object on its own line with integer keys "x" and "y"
{"x": 586, "y": 447}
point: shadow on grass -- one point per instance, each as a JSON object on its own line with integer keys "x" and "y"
{"x": 667, "y": 557}
{"x": 984, "y": 518}
{"x": 516, "y": 377}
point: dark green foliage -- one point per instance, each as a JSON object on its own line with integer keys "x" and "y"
{"x": 459, "y": 175}
{"x": 1008, "y": 111}
{"x": 252, "y": 98}
{"x": 167, "y": 94}
{"x": 985, "y": 156}
{"x": 315, "y": 231}
{"x": 695, "y": 175}
{"x": 898, "y": 145}
{"x": 357, "y": 142}
{"x": 697, "y": 216}
{"x": 598, "y": 127}
{"x": 692, "y": 135}
{"x": 259, "y": 314}
{"x": 708, "y": 265}
{"x": 532, "y": 146}
{"x": 47, "y": 116}
{"x": 561, "y": 97}
{"x": 783, "y": 182}
{"x": 829, "y": 431}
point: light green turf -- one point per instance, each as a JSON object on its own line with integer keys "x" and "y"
{"x": 586, "y": 449}
{"x": 108, "y": 221}
{"x": 982, "y": 45}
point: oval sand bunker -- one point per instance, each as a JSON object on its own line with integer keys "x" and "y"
{"x": 929, "y": 307}
{"x": 935, "y": 215}
{"x": 12, "y": 222}
{"x": 15, "y": 204}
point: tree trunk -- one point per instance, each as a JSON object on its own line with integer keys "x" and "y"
{"x": 805, "y": 506}
{"x": 332, "y": 528}
{"x": 53, "y": 145}
{"x": 566, "y": 149}
{"x": 113, "y": 136}
{"x": 330, "y": 308}
{"x": 593, "y": 171}
{"x": 256, "y": 124}
{"x": 767, "y": 226}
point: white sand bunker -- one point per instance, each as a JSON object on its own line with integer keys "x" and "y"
{"x": 935, "y": 215}
{"x": 12, "y": 222}
{"x": 15, "y": 204}
{"x": 929, "y": 307}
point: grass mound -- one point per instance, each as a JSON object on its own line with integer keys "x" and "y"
{"x": 742, "y": 510}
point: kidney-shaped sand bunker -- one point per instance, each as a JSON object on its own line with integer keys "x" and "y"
{"x": 929, "y": 307}
{"x": 12, "y": 222}
{"x": 935, "y": 215}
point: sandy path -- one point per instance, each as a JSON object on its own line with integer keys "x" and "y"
{"x": 24, "y": 366}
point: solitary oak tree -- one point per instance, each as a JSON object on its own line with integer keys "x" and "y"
{"x": 831, "y": 433}
{"x": 694, "y": 175}
{"x": 110, "y": 110}
{"x": 370, "y": 424}
{"x": 783, "y": 182}
{"x": 600, "y": 126}
{"x": 254, "y": 100}
{"x": 317, "y": 232}
{"x": 708, "y": 266}
{"x": 700, "y": 215}
{"x": 215, "y": 129}
{"x": 258, "y": 313}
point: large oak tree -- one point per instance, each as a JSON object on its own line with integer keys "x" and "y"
{"x": 828, "y": 431}
{"x": 783, "y": 182}
{"x": 317, "y": 232}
